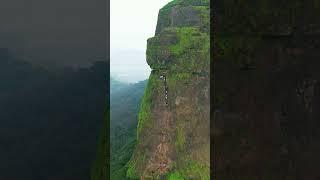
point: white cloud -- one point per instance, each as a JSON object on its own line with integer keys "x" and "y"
{"x": 132, "y": 23}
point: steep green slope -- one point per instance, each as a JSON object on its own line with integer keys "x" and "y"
{"x": 173, "y": 129}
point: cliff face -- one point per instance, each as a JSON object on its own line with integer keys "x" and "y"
{"x": 266, "y": 71}
{"x": 173, "y": 130}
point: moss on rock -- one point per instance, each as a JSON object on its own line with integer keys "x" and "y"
{"x": 173, "y": 129}
{"x": 184, "y": 13}
{"x": 144, "y": 116}
{"x": 179, "y": 49}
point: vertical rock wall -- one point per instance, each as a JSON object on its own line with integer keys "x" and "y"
{"x": 266, "y": 73}
{"x": 174, "y": 119}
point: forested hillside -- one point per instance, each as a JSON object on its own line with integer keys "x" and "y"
{"x": 125, "y": 103}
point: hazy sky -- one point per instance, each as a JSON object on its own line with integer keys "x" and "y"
{"x": 131, "y": 24}
{"x": 62, "y": 32}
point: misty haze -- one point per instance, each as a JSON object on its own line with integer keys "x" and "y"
{"x": 53, "y": 87}
{"x": 129, "y": 65}
{"x": 55, "y": 33}
{"x": 131, "y": 24}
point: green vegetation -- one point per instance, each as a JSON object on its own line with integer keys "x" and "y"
{"x": 181, "y": 49}
{"x": 144, "y": 123}
{"x": 185, "y": 3}
{"x": 191, "y": 169}
{"x": 191, "y": 50}
{"x": 195, "y": 169}
{"x": 184, "y": 7}
{"x": 204, "y": 18}
{"x": 175, "y": 176}
{"x": 125, "y": 103}
{"x": 132, "y": 172}
{"x": 145, "y": 112}
{"x": 181, "y": 77}
{"x": 188, "y": 40}
{"x": 180, "y": 138}
{"x": 120, "y": 158}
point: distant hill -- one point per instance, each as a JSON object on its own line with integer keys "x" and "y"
{"x": 116, "y": 85}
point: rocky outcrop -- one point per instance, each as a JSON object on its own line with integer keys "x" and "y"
{"x": 266, "y": 76}
{"x": 174, "y": 121}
